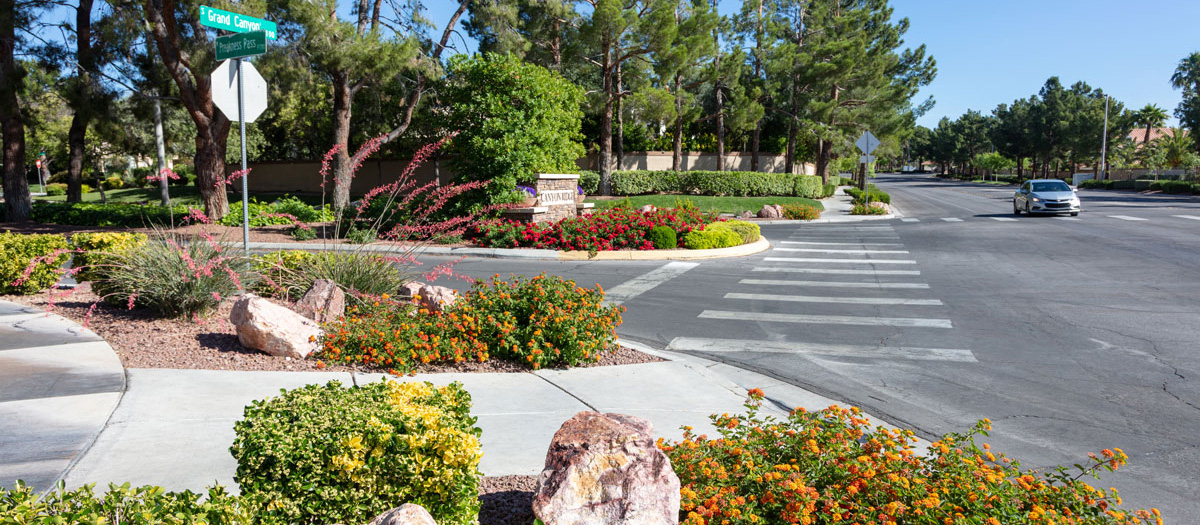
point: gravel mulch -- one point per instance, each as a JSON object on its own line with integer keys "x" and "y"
{"x": 506, "y": 500}
{"x": 143, "y": 340}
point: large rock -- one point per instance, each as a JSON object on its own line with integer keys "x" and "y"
{"x": 436, "y": 298}
{"x": 406, "y": 514}
{"x": 746, "y": 215}
{"x": 605, "y": 469}
{"x": 324, "y": 302}
{"x": 410, "y": 289}
{"x": 276, "y": 330}
{"x": 648, "y": 208}
{"x": 771, "y": 211}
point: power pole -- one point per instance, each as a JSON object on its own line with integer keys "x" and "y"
{"x": 1104, "y": 143}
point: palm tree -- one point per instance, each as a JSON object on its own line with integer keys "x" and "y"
{"x": 1177, "y": 145}
{"x": 1151, "y": 116}
{"x": 1187, "y": 78}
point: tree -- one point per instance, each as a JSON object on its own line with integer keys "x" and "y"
{"x": 514, "y": 119}
{"x": 749, "y": 24}
{"x": 992, "y": 162}
{"x": 17, "y": 202}
{"x": 1011, "y": 134}
{"x": 1177, "y": 147}
{"x": 618, "y": 33}
{"x": 539, "y": 31}
{"x": 680, "y": 66}
{"x": 972, "y": 131}
{"x": 1187, "y": 78}
{"x": 1151, "y": 116}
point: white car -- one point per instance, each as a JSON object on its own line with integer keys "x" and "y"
{"x": 1046, "y": 196}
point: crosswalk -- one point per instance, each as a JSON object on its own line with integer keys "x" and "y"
{"x": 832, "y": 280}
{"x": 1128, "y": 218}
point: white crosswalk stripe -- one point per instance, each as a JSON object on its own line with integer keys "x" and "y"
{"x": 835, "y": 284}
{"x": 842, "y": 243}
{"x": 836, "y": 271}
{"x": 1068, "y": 218}
{"x": 645, "y": 282}
{"x": 892, "y": 301}
{"x": 696, "y": 344}
{"x": 1127, "y": 218}
{"x": 827, "y": 319}
{"x": 839, "y": 261}
{"x": 951, "y": 219}
{"x": 1004, "y": 219}
{"x": 1192, "y": 217}
{"x": 910, "y": 219}
{"x": 856, "y": 252}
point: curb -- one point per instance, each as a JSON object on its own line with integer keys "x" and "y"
{"x": 761, "y": 245}
{"x": 851, "y": 218}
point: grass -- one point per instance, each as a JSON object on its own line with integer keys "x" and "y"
{"x": 179, "y": 195}
{"x": 992, "y": 182}
{"x": 703, "y": 203}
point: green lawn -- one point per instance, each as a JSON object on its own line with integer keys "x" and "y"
{"x": 179, "y": 195}
{"x": 992, "y": 182}
{"x": 709, "y": 204}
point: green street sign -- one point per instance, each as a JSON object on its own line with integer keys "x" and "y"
{"x": 238, "y": 23}
{"x": 241, "y": 45}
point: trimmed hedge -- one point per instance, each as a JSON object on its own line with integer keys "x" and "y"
{"x": 712, "y": 236}
{"x": 18, "y": 251}
{"x": 730, "y": 183}
{"x": 874, "y": 194}
{"x": 662, "y": 237}
{"x": 93, "y": 247}
{"x": 748, "y": 231}
{"x": 95, "y": 214}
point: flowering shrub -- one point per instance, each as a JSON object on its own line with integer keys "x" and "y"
{"x": 830, "y": 467}
{"x": 91, "y": 249}
{"x": 800, "y": 212}
{"x": 874, "y": 208}
{"x": 543, "y": 321}
{"x": 328, "y": 454}
{"x": 613, "y": 229}
{"x": 29, "y": 263}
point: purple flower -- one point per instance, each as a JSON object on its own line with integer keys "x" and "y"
{"x": 532, "y": 192}
{"x": 579, "y": 189}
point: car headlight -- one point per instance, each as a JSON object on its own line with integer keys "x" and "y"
{"x": 1035, "y": 199}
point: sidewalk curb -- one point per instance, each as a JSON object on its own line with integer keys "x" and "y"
{"x": 742, "y": 250}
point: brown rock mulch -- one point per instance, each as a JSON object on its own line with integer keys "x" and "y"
{"x": 506, "y": 500}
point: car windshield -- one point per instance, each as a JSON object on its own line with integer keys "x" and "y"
{"x": 1051, "y": 186}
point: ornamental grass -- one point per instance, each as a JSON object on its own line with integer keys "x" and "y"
{"x": 832, "y": 468}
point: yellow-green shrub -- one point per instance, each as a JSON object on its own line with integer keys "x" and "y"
{"x": 93, "y": 247}
{"x": 275, "y": 268}
{"x": 123, "y": 504}
{"x": 328, "y": 454}
{"x": 748, "y": 231}
{"x": 712, "y": 236}
{"x": 18, "y": 251}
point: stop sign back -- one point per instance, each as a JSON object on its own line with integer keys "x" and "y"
{"x": 224, "y": 91}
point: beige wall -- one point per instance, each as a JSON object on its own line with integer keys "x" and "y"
{"x": 305, "y": 177}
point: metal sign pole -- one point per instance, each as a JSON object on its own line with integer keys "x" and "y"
{"x": 245, "y": 185}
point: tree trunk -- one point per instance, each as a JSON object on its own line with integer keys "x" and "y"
{"x": 12, "y": 125}
{"x": 160, "y": 145}
{"x": 100, "y": 179}
{"x": 1146, "y": 140}
{"x": 75, "y": 138}
{"x": 342, "y": 169}
{"x": 754, "y": 144}
{"x": 620, "y": 124}
{"x": 789, "y": 157}
{"x": 677, "y": 143}
{"x": 754, "y": 140}
{"x": 720, "y": 128}
{"x": 210, "y": 158}
{"x": 606, "y": 71}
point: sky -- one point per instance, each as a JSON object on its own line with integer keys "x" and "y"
{"x": 993, "y": 52}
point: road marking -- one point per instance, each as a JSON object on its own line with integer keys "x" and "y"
{"x": 857, "y": 252}
{"x": 891, "y": 301}
{"x": 906, "y": 322}
{"x": 843, "y": 243}
{"x": 833, "y": 284}
{"x": 1192, "y": 217}
{"x": 717, "y": 346}
{"x": 951, "y": 219}
{"x": 839, "y": 261}
{"x": 646, "y": 282}
{"x": 832, "y": 271}
{"x": 1068, "y": 218}
{"x": 1004, "y": 219}
{"x": 910, "y": 219}
{"x": 1127, "y": 218}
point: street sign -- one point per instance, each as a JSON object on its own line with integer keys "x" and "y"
{"x": 866, "y": 159}
{"x": 39, "y": 163}
{"x": 241, "y": 45}
{"x": 225, "y": 91}
{"x": 867, "y": 143}
{"x": 235, "y": 22}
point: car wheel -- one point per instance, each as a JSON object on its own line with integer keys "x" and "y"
{"x": 1074, "y": 214}
{"x": 1016, "y": 210}
{"x": 1027, "y": 208}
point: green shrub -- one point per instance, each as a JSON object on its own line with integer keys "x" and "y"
{"x": 663, "y": 238}
{"x": 828, "y": 190}
{"x": 356, "y": 273}
{"x": 733, "y": 183}
{"x": 710, "y": 238}
{"x": 589, "y": 181}
{"x": 874, "y": 208}
{"x": 93, "y": 248}
{"x": 748, "y": 231}
{"x": 328, "y": 454}
{"x": 809, "y": 187}
{"x": 1155, "y": 185}
{"x": 800, "y": 212}
{"x": 874, "y": 194}
{"x": 1123, "y": 184}
{"x": 274, "y": 267}
{"x": 356, "y": 235}
{"x": 301, "y": 210}
{"x": 96, "y": 214}
{"x": 18, "y": 252}
{"x": 832, "y": 466}
{"x": 1092, "y": 184}
{"x": 113, "y": 182}
{"x": 276, "y": 213}
{"x": 172, "y": 276}
{"x": 84, "y": 189}
{"x": 303, "y": 233}
{"x": 1196, "y": 188}
{"x": 56, "y": 189}
{"x": 1176, "y": 187}
{"x": 123, "y": 504}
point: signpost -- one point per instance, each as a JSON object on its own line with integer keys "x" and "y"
{"x": 239, "y": 89}
{"x": 241, "y": 45}
{"x": 235, "y": 22}
{"x": 866, "y": 143}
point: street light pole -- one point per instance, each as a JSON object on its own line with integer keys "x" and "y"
{"x": 1104, "y": 143}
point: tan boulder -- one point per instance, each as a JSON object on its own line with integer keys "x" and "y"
{"x": 436, "y": 298}
{"x": 605, "y": 469}
{"x": 406, "y": 514}
{"x": 771, "y": 211}
{"x": 276, "y": 330}
{"x": 324, "y": 302}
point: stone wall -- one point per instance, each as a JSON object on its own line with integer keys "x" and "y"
{"x": 557, "y": 194}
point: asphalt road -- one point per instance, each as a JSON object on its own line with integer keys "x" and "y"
{"x": 1071, "y": 334}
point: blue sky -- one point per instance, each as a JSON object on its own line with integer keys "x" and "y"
{"x": 992, "y": 52}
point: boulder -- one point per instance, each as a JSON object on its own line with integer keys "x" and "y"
{"x": 406, "y": 514}
{"x": 647, "y": 208}
{"x": 771, "y": 211}
{"x": 267, "y": 327}
{"x": 605, "y": 469}
{"x": 746, "y": 215}
{"x": 324, "y": 302}
{"x": 436, "y": 298}
{"x": 409, "y": 289}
